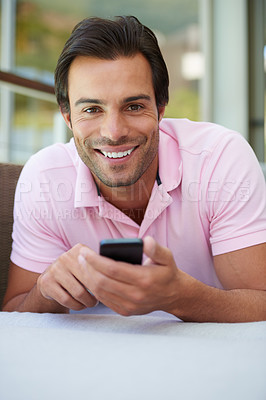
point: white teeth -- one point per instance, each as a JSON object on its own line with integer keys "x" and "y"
{"x": 117, "y": 155}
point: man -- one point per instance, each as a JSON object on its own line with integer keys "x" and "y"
{"x": 193, "y": 191}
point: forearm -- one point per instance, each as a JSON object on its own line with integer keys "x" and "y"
{"x": 33, "y": 301}
{"x": 202, "y": 303}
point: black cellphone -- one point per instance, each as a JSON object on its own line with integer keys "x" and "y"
{"x": 127, "y": 250}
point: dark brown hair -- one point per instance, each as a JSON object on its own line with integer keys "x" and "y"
{"x": 110, "y": 39}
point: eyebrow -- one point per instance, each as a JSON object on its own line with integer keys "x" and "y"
{"x": 135, "y": 98}
{"x": 84, "y": 100}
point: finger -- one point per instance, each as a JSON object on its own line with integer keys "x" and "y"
{"x": 120, "y": 303}
{"x": 61, "y": 296}
{"x": 65, "y": 289}
{"x": 158, "y": 254}
{"x": 83, "y": 263}
{"x": 77, "y": 280}
{"x": 127, "y": 296}
{"x": 116, "y": 270}
{"x": 77, "y": 291}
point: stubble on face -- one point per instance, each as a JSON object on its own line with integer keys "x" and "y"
{"x": 107, "y": 116}
{"x": 86, "y": 151}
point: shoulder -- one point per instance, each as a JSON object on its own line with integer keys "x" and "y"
{"x": 197, "y": 137}
{"x": 208, "y": 150}
{"x": 51, "y": 159}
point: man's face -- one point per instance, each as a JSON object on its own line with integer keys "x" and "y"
{"x": 114, "y": 117}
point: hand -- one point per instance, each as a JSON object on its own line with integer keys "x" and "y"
{"x": 134, "y": 289}
{"x": 65, "y": 281}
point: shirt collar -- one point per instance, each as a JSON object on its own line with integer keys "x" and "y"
{"x": 170, "y": 162}
{"x": 86, "y": 194}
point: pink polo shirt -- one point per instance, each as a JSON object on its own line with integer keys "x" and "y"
{"x": 211, "y": 200}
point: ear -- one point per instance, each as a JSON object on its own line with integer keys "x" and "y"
{"x": 161, "y": 110}
{"x": 66, "y": 116}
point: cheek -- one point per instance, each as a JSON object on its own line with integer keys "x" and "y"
{"x": 147, "y": 127}
{"x": 83, "y": 128}
{"x": 153, "y": 132}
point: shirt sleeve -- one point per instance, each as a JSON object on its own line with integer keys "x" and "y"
{"x": 37, "y": 240}
{"x": 235, "y": 196}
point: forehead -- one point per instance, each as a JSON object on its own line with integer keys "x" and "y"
{"x": 97, "y": 77}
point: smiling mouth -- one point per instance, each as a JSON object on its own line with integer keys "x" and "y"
{"x": 119, "y": 154}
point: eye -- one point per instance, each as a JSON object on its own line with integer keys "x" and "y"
{"x": 92, "y": 110}
{"x": 135, "y": 107}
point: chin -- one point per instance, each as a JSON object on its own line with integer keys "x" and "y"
{"x": 117, "y": 184}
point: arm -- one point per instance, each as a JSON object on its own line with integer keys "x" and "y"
{"x": 60, "y": 288}
{"x": 22, "y": 293}
{"x": 243, "y": 276}
{"x": 160, "y": 285}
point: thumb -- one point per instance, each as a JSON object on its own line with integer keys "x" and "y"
{"x": 156, "y": 253}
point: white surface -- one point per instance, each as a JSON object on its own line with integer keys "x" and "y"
{"x": 101, "y": 356}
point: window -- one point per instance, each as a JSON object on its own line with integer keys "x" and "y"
{"x": 257, "y": 74}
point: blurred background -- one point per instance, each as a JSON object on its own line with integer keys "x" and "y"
{"x": 215, "y": 51}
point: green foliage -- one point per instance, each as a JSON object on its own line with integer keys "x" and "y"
{"x": 33, "y": 112}
{"x": 184, "y": 103}
{"x": 40, "y": 36}
{"x": 166, "y": 16}
{"x": 44, "y": 25}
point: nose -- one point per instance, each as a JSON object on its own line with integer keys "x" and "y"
{"x": 114, "y": 126}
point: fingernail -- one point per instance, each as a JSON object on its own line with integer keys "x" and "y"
{"x": 81, "y": 259}
{"x": 96, "y": 303}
